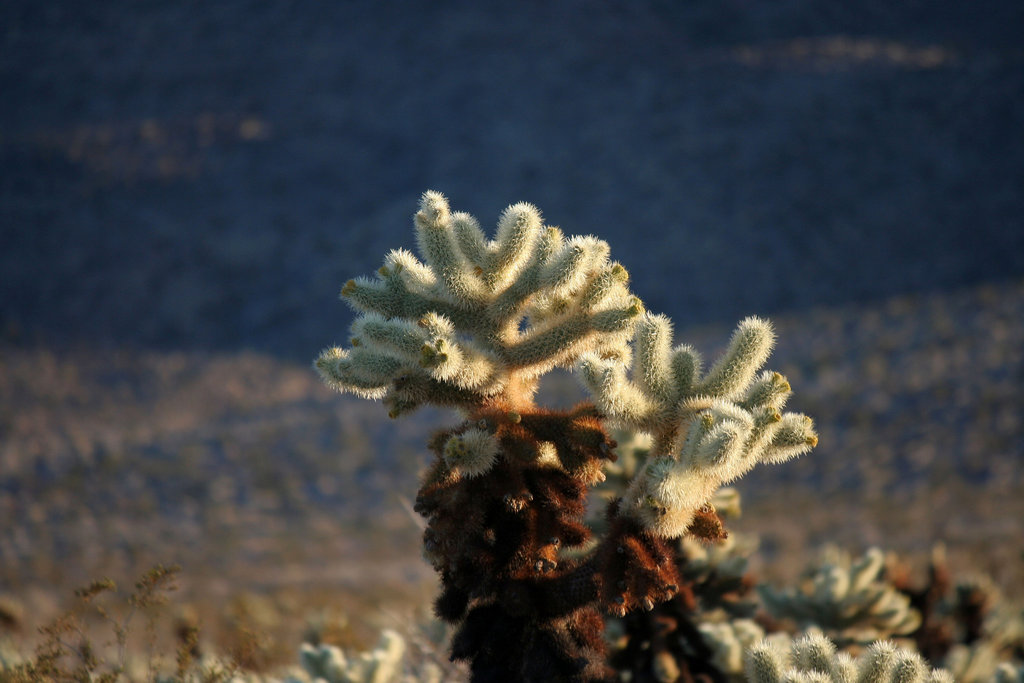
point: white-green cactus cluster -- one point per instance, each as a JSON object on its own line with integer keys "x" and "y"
{"x": 975, "y": 663}
{"x": 813, "y": 658}
{"x": 849, "y": 600}
{"x": 984, "y": 660}
{"x": 708, "y": 428}
{"x": 1004, "y": 627}
{"x": 730, "y": 640}
{"x": 480, "y": 320}
{"x": 380, "y": 665}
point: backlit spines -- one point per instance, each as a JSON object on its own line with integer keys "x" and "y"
{"x": 749, "y": 348}
{"x": 764, "y": 663}
{"x": 813, "y": 659}
{"x": 338, "y": 372}
{"x": 770, "y": 389}
{"x": 478, "y": 319}
{"x": 816, "y": 653}
{"x": 518, "y": 230}
{"x": 654, "y": 359}
{"x": 435, "y": 237}
{"x": 471, "y": 453}
{"x": 566, "y": 270}
{"x": 470, "y": 238}
{"x": 708, "y": 429}
{"x": 793, "y": 436}
{"x": 670, "y": 381}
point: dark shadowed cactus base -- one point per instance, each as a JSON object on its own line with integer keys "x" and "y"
{"x": 643, "y": 586}
{"x": 524, "y": 612}
{"x": 665, "y": 645}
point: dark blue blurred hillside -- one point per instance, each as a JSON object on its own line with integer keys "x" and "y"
{"x": 207, "y": 174}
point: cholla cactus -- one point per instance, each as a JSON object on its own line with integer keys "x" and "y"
{"x": 1009, "y": 673}
{"x": 721, "y": 571}
{"x": 1004, "y": 627}
{"x": 813, "y": 659}
{"x": 983, "y": 660}
{"x": 729, "y": 640}
{"x": 977, "y": 663}
{"x": 10, "y": 658}
{"x": 708, "y": 428}
{"x": 474, "y": 326}
{"x": 478, "y": 322}
{"x": 383, "y": 664}
{"x": 850, "y": 601}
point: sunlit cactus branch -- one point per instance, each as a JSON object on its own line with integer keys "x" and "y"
{"x": 708, "y": 428}
{"x": 480, "y": 320}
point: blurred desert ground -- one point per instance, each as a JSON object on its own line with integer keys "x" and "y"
{"x": 185, "y": 186}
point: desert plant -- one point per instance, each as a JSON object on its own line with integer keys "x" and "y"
{"x": 69, "y": 651}
{"x": 381, "y": 665}
{"x": 813, "y": 659}
{"x": 474, "y": 326}
{"x": 849, "y": 599}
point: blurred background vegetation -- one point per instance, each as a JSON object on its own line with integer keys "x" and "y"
{"x": 184, "y": 187}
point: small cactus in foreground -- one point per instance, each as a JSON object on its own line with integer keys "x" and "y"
{"x": 813, "y": 659}
{"x": 380, "y": 665}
